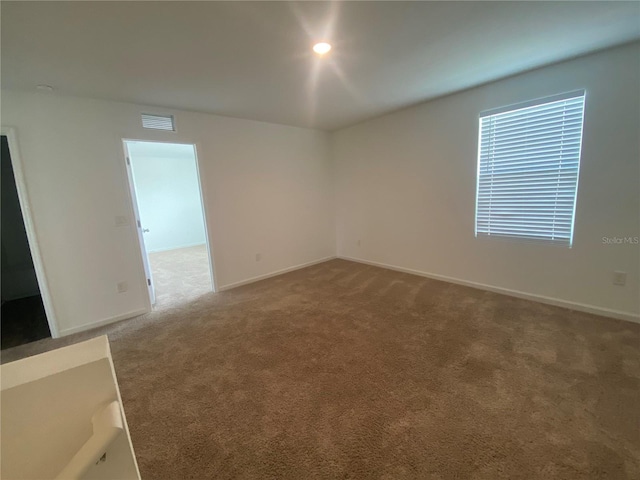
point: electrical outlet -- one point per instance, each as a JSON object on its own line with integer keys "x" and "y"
{"x": 121, "y": 221}
{"x": 258, "y": 257}
{"x": 619, "y": 278}
{"x": 358, "y": 242}
{"x": 122, "y": 287}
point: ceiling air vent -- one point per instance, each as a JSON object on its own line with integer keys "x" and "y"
{"x": 158, "y": 122}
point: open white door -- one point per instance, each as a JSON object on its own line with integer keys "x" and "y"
{"x": 139, "y": 227}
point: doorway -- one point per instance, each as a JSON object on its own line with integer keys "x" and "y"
{"x": 23, "y": 317}
{"x": 170, "y": 219}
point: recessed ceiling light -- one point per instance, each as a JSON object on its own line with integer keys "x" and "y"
{"x": 45, "y": 88}
{"x": 321, "y": 48}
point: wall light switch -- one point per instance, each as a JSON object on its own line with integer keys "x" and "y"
{"x": 121, "y": 221}
{"x": 619, "y": 278}
{"x": 122, "y": 287}
{"x": 258, "y": 257}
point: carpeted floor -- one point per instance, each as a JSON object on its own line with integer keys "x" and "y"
{"x": 343, "y": 370}
{"x": 179, "y": 275}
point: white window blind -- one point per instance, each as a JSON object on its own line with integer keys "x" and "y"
{"x": 158, "y": 122}
{"x": 528, "y": 164}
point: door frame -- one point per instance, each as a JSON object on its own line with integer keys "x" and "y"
{"x": 134, "y": 211}
{"x": 32, "y": 236}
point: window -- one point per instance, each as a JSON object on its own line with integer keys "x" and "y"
{"x": 528, "y": 163}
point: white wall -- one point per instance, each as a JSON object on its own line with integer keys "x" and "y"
{"x": 168, "y": 194}
{"x": 266, "y": 187}
{"x": 406, "y": 188}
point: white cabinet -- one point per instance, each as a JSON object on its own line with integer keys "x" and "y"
{"x": 62, "y": 417}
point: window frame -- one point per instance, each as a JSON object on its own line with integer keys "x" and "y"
{"x": 514, "y": 108}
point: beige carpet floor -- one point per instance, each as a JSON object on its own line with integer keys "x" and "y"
{"x": 180, "y": 275}
{"x": 349, "y": 371}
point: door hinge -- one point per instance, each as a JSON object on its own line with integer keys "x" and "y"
{"x": 139, "y": 224}
{"x": 128, "y": 161}
{"x": 149, "y": 281}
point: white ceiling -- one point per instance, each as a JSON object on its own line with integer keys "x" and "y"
{"x": 254, "y": 59}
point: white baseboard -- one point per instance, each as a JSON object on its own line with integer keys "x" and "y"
{"x": 274, "y": 274}
{"x": 582, "y": 307}
{"x": 100, "y": 323}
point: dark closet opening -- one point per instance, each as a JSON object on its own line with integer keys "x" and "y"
{"x": 23, "y": 319}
